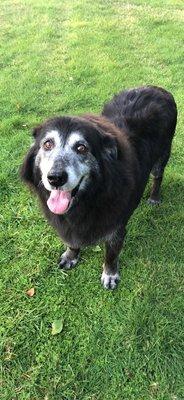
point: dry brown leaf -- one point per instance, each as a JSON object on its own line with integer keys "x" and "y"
{"x": 30, "y": 292}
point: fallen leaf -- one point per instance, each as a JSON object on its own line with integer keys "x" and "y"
{"x": 57, "y": 326}
{"x": 96, "y": 249}
{"x": 30, "y": 292}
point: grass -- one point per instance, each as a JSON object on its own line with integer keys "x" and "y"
{"x": 68, "y": 57}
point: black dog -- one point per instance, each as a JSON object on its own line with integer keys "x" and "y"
{"x": 90, "y": 172}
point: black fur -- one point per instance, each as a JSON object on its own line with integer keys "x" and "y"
{"x": 131, "y": 138}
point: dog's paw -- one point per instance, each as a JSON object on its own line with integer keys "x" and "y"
{"x": 66, "y": 262}
{"x": 154, "y": 202}
{"x": 109, "y": 281}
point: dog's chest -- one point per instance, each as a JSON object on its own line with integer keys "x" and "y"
{"x": 82, "y": 233}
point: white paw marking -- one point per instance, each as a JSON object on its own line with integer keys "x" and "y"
{"x": 109, "y": 281}
{"x": 153, "y": 202}
{"x": 66, "y": 262}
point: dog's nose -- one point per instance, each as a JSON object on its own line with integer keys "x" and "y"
{"x": 57, "y": 180}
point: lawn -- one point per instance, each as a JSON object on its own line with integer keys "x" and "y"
{"x": 69, "y": 57}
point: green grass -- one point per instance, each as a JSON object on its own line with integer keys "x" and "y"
{"x": 68, "y": 57}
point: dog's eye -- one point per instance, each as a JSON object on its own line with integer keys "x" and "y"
{"x": 48, "y": 145}
{"x": 82, "y": 149}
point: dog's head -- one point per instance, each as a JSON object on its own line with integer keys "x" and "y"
{"x": 67, "y": 154}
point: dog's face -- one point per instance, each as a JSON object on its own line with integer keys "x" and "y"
{"x": 68, "y": 153}
{"x": 64, "y": 163}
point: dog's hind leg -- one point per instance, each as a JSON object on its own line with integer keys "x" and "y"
{"x": 157, "y": 173}
{"x": 69, "y": 258}
{"x": 110, "y": 275}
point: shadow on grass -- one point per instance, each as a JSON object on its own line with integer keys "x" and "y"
{"x": 156, "y": 231}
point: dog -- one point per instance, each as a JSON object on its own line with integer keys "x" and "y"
{"x": 90, "y": 171}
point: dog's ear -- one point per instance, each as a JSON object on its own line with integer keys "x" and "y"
{"x": 36, "y": 131}
{"x": 110, "y": 147}
{"x": 26, "y": 171}
{"x": 105, "y": 127}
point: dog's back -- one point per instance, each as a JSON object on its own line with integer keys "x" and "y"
{"x": 148, "y": 116}
{"x": 147, "y": 111}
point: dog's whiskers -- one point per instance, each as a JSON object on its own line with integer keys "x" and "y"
{"x": 40, "y": 183}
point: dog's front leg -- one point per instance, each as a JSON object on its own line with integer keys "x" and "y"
{"x": 110, "y": 275}
{"x": 69, "y": 258}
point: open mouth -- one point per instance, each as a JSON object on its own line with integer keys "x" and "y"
{"x": 60, "y": 201}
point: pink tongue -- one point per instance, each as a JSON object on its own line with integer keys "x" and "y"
{"x": 58, "y": 201}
